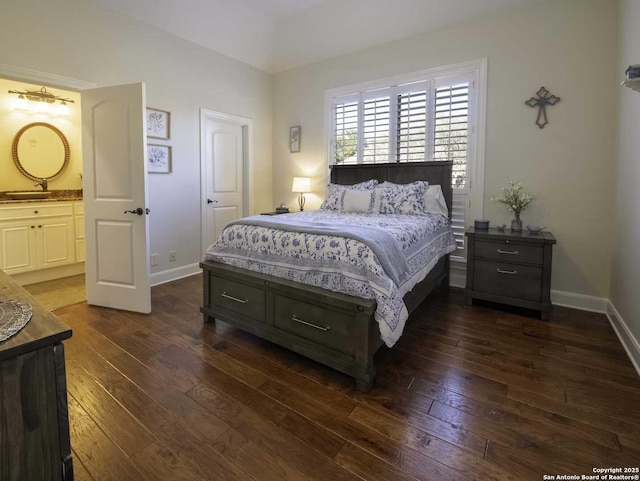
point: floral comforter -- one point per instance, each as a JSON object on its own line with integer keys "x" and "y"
{"x": 338, "y": 261}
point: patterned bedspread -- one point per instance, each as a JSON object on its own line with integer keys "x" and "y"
{"x": 338, "y": 261}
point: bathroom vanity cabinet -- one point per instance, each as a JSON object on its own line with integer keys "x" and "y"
{"x": 40, "y": 235}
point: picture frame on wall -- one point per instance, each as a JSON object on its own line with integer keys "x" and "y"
{"x": 294, "y": 139}
{"x": 158, "y": 159}
{"x": 158, "y": 124}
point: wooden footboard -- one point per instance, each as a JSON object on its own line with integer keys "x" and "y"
{"x": 334, "y": 329}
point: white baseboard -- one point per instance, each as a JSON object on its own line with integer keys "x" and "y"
{"x": 169, "y": 275}
{"x": 579, "y": 301}
{"x": 43, "y": 275}
{"x": 628, "y": 340}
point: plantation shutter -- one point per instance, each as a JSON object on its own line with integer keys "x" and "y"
{"x": 450, "y": 142}
{"x": 411, "y": 138}
{"x": 375, "y": 127}
{"x": 345, "y": 131}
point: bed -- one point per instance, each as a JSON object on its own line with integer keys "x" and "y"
{"x": 339, "y": 330}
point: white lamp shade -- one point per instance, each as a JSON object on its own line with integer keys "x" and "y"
{"x": 301, "y": 184}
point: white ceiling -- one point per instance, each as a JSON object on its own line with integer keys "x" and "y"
{"x": 276, "y": 35}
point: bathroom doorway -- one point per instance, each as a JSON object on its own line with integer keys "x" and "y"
{"x": 109, "y": 270}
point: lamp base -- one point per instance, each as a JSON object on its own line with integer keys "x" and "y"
{"x": 301, "y": 201}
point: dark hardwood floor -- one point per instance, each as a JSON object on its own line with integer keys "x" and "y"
{"x": 468, "y": 393}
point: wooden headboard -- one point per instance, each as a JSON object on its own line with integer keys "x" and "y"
{"x": 436, "y": 173}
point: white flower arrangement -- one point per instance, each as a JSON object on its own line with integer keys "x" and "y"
{"x": 514, "y": 197}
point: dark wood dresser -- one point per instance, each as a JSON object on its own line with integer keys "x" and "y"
{"x": 34, "y": 423}
{"x": 510, "y": 267}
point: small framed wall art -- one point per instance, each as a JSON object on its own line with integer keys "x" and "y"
{"x": 158, "y": 124}
{"x": 294, "y": 139}
{"x": 158, "y": 159}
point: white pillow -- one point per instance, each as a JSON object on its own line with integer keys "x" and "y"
{"x": 435, "y": 202}
{"x": 363, "y": 201}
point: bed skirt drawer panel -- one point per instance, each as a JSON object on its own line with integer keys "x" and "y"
{"x": 324, "y": 326}
{"x": 509, "y": 280}
{"x": 506, "y": 252}
{"x": 237, "y": 297}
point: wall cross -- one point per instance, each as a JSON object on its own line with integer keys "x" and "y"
{"x": 543, "y": 99}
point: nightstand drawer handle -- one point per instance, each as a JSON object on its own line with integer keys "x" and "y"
{"x": 294, "y": 318}
{"x": 513, "y": 273}
{"x": 227, "y": 296}
{"x": 511, "y": 253}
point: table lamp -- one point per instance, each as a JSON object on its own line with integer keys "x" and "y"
{"x": 301, "y": 185}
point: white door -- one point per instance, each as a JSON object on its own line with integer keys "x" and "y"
{"x": 223, "y": 145}
{"x": 115, "y": 197}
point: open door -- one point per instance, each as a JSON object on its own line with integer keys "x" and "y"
{"x": 115, "y": 197}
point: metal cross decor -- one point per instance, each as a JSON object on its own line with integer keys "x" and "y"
{"x": 544, "y": 99}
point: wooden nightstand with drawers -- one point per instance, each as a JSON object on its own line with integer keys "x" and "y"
{"x": 510, "y": 267}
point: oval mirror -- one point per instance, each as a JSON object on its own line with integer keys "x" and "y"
{"x": 40, "y": 151}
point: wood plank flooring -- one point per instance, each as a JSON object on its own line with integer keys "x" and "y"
{"x": 468, "y": 393}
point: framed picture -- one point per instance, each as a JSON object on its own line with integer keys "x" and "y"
{"x": 159, "y": 159}
{"x": 158, "y": 124}
{"x": 294, "y": 139}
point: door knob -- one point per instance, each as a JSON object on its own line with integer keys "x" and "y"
{"x": 209, "y": 201}
{"x": 138, "y": 211}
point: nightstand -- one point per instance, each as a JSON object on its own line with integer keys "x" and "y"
{"x": 273, "y": 213}
{"x": 510, "y": 267}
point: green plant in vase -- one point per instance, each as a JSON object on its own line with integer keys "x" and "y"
{"x": 516, "y": 199}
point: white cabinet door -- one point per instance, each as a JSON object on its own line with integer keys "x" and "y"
{"x": 17, "y": 247}
{"x": 56, "y": 243}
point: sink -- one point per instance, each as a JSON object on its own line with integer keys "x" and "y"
{"x": 35, "y": 194}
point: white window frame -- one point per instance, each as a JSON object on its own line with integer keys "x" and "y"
{"x": 476, "y": 71}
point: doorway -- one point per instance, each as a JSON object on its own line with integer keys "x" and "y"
{"x": 117, "y": 246}
{"x": 225, "y": 152}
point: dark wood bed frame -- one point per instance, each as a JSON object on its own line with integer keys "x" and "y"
{"x": 334, "y": 329}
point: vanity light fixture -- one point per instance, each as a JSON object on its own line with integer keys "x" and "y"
{"x": 43, "y": 97}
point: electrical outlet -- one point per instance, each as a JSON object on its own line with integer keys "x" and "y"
{"x": 154, "y": 259}
{"x": 172, "y": 256}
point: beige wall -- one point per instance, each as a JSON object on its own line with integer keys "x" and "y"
{"x": 625, "y": 275}
{"x": 566, "y": 46}
{"x": 12, "y": 120}
{"x": 83, "y": 40}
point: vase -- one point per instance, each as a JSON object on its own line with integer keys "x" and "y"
{"x": 516, "y": 224}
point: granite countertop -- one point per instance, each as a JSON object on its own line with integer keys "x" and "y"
{"x": 68, "y": 195}
{"x": 44, "y": 329}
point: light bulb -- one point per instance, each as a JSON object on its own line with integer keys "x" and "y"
{"x": 63, "y": 108}
{"x": 21, "y": 103}
{"x": 42, "y": 107}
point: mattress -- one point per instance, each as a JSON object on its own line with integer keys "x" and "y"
{"x": 373, "y": 256}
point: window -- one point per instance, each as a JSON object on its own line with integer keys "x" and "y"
{"x": 426, "y": 116}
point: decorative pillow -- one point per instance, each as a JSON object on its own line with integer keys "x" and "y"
{"x": 403, "y": 199}
{"x": 334, "y": 193}
{"x": 434, "y": 201}
{"x": 367, "y": 201}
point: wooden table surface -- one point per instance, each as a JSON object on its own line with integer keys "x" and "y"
{"x": 43, "y": 329}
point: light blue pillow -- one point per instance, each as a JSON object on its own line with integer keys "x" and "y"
{"x": 404, "y": 199}
{"x": 334, "y": 193}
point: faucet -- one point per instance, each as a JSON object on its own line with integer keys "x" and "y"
{"x": 43, "y": 183}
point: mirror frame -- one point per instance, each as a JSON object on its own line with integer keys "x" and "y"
{"x": 16, "y": 160}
